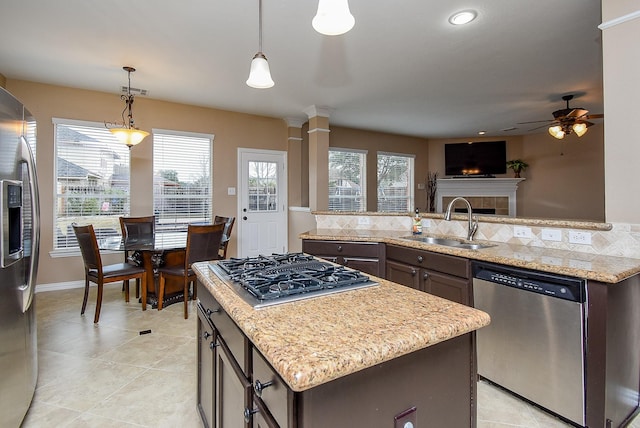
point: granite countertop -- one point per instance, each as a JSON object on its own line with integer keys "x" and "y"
{"x": 314, "y": 341}
{"x": 607, "y": 269}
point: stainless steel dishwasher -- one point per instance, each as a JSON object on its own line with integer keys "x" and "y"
{"x": 535, "y": 344}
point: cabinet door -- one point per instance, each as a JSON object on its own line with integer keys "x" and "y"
{"x": 206, "y": 361}
{"x": 233, "y": 391}
{"x": 446, "y": 286}
{"x": 404, "y": 274}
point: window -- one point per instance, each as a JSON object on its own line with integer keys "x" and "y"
{"x": 263, "y": 186}
{"x": 347, "y": 180}
{"x": 181, "y": 179}
{"x": 395, "y": 182}
{"x": 92, "y": 180}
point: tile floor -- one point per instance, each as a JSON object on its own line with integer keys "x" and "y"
{"x": 108, "y": 375}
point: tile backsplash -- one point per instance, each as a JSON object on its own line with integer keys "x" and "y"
{"x": 623, "y": 240}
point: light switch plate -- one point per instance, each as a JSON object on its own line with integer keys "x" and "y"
{"x": 551, "y": 235}
{"x": 231, "y": 191}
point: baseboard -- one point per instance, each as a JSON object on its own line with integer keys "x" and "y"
{"x": 56, "y": 286}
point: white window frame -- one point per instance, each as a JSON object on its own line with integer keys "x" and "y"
{"x": 362, "y": 196}
{"x": 107, "y": 222}
{"x": 177, "y": 222}
{"x": 410, "y": 197}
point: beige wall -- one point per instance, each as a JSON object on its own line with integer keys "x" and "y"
{"x": 622, "y": 90}
{"x": 392, "y": 143}
{"x": 556, "y": 169}
{"x": 231, "y": 130}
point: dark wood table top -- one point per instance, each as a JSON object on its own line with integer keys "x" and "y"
{"x": 161, "y": 241}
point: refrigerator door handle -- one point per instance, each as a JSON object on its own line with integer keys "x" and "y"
{"x": 28, "y": 289}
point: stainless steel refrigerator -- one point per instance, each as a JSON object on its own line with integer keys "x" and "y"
{"x": 19, "y": 239}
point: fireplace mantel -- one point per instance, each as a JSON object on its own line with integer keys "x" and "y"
{"x": 477, "y": 187}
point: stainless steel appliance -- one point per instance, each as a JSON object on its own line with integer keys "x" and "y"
{"x": 19, "y": 239}
{"x": 535, "y": 344}
{"x": 279, "y": 278}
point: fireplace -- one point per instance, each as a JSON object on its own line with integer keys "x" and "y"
{"x": 486, "y": 195}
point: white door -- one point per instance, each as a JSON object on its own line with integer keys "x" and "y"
{"x": 262, "y": 202}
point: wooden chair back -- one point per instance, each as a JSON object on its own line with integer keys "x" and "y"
{"x": 88, "y": 244}
{"x": 203, "y": 243}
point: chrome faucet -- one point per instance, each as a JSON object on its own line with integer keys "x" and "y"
{"x": 473, "y": 222}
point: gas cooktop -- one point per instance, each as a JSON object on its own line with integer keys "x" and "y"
{"x": 280, "y": 278}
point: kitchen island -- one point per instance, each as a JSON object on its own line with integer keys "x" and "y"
{"x": 357, "y": 358}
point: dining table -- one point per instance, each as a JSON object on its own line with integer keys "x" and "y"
{"x": 164, "y": 248}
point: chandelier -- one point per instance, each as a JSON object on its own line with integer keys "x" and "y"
{"x": 128, "y": 133}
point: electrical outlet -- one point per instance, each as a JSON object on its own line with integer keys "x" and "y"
{"x": 363, "y": 220}
{"x": 551, "y": 235}
{"x": 521, "y": 232}
{"x": 420, "y": 186}
{"x": 426, "y": 223}
{"x": 579, "y": 237}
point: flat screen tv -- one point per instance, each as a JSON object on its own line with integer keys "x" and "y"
{"x": 481, "y": 159}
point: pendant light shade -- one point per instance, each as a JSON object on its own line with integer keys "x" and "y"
{"x": 333, "y": 17}
{"x": 259, "y": 74}
{"x": 580, "y": 128}
{"x": 128, "y": 134}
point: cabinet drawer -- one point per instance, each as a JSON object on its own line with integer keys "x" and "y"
{"x": 224, "y": 325}
{"x": 444, "y": 263}
{"x": 274, "y": 396}
{"x": 336, "y": 248}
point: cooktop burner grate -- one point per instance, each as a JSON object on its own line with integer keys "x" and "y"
{"x": 278, "y": 278}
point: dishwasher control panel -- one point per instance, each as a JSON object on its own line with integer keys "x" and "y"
{"x": 559, "y": 286}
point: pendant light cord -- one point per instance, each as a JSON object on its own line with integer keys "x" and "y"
{"x": 260, "y": 26}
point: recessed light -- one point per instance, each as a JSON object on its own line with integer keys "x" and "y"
{"x": 482, "y": 132}
{"x": 463, "y": 17}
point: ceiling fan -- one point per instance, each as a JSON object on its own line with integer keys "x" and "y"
{"x": 567, "y": 120}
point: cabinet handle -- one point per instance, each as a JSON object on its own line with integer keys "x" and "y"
{"x": 206, "y": 335}
{"x": 413, "y": 272}
{"x": 420, "y": 259}
{"x": 258, "y": 387}
{"x": 425, "y": 276}
{"x": 339, "y": 248}
{"x": 213, "y": 345}
{"x": 248, "y": 413}
{"x": 210, "y": 312}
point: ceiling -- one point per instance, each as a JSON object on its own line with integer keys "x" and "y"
{"x": 402, "y": 69}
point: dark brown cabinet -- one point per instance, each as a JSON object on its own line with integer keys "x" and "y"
{"x": 367, "y": 257}
{"x": 439, "y": 274}
{"x": 224, "y": 386}
{"x": 237, "y": 387}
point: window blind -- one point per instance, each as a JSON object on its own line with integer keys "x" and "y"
{"x": 181, "y": 179}
{"x": 395, "y": 182}
{"x": 92, "y": 180}
{"x": 347, "y": 180}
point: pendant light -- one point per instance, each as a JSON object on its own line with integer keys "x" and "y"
{"x": 259, "y": 75}
{"x": 333, "y": 17}
{"x": 128, "y": 133}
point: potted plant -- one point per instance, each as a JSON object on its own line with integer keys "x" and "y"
{"x": 517, "y": 165}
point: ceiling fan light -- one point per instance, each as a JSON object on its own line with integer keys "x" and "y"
{"x": 260, "y": 75}
{"x": 580, "y": 128}
{"x": 333, "y": 17}
{"x": 556, "y": 132}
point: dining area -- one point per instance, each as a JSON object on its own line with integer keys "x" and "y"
{"x": 157, "y": 259}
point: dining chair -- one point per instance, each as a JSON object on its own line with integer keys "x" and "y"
{"x": 96, "y": 272}
{"x": 136, "y": 227}
{"x": 226, "y": 234}
{"x": 203, "y": 243}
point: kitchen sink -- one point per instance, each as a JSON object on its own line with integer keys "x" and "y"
{"x": 448, "y": 242}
